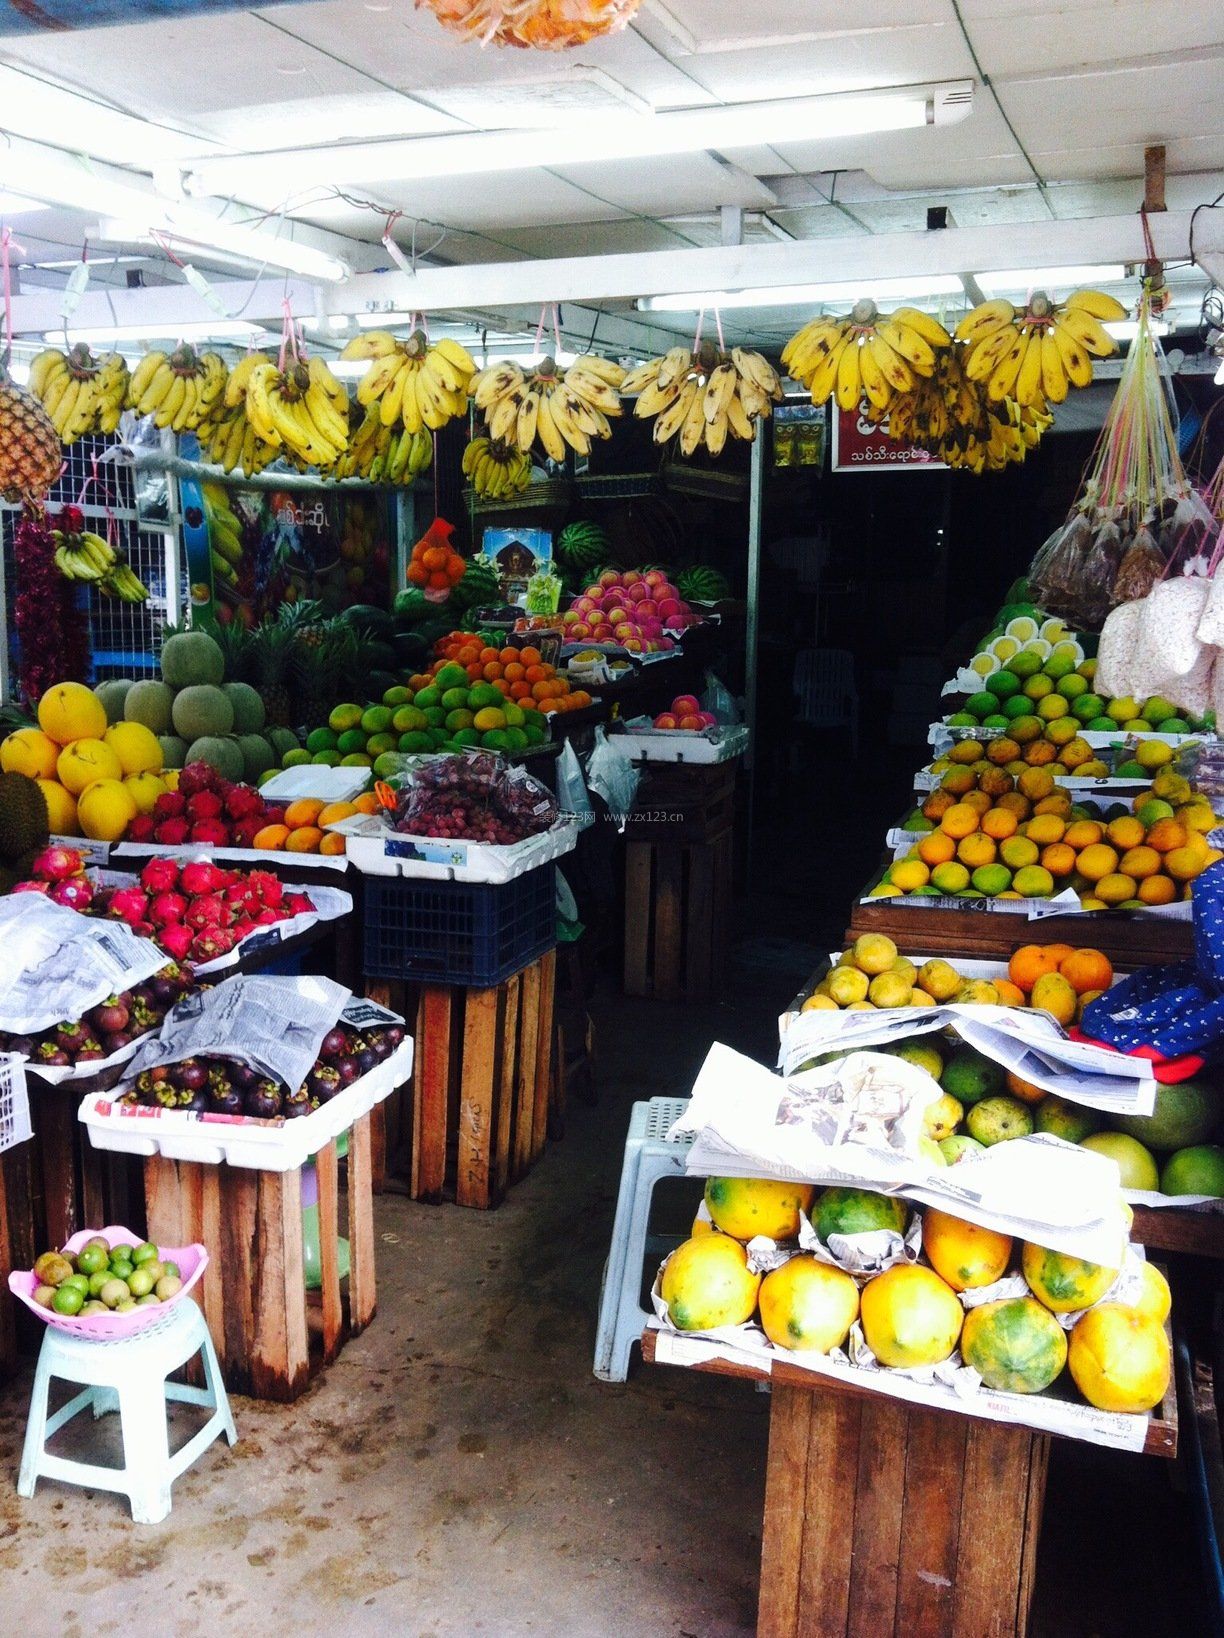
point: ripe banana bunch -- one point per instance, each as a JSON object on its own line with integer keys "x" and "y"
{"x": 867, "y": 355}
{"x": 87, "y": 557}
{"x": 228, "y": 440}
{"x": 705, "y": 397}
{"x": 417, "y": 386}
{"x": 1035, "y": 356}
{"x": 302, "y": 410}
{"x": 559, "y": 409}
{"x": 80, "y": 393}
{"x": 224, "y": 533}
{"x": 180, "y": 389}
{"x": 496, "y": 469}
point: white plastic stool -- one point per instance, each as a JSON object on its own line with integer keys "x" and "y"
{"x": 649, "y": 1156}
{"x": 128, "y": 1375}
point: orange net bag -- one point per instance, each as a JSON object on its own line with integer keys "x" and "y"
{"x": 546, "y": 25}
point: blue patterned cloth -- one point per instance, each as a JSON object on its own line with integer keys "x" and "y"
{"x": 1177, "y": 1008}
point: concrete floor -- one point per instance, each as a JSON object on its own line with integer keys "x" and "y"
{"x": 459, "y": 1470}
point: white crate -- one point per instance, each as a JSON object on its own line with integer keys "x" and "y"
{"x": 683, "y": 745}
{"x": 14, "y": 1102}
{"x": 376, "y": 850}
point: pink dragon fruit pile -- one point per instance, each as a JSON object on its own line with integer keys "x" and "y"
{"x": 195, "y": 911}
{"x": 206, "y": 808}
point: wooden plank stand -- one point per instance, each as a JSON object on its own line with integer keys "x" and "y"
{"x": 677, "y": 917}
{"x": 268, "y": 1332}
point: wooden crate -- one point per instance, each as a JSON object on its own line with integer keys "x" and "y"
{"x": 682, "y": 802}
{"x": 483, "y": 1082}
{"x": 269, "y": 1333}
{"x": 874, "y": 1509}
{"x": 677, "y": 917}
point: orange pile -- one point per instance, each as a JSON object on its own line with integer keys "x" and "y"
{"x": 518, "y": 673}
{"x": 1060, "y": 978}
{"x": 303, "y": 828}
{"x": 435, "y": 567}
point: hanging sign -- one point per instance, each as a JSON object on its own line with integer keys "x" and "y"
{"x": 858, "y": 446}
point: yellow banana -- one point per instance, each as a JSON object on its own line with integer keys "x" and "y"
{"x": 528, "y": 416}
{"x": 719, "y": 390}
{"x": 142, "y": 377}
{"x": 1096, "y": 303}
{"x": 931, "y": 330}
{"x": 546, "y": 427}
{"x": 849, "y": 376}
{"x": 371, "y": 344}
{"x": 738, "y": 423}
{"x": 1088, "y": 331}
{"x": 674, "y": 366}
{"x": 1075, "y": 360}
{"x": 1028, "y": 378}
{"x": 1003, "y": 378}
{"x": 878, "y": 392}
{"x": 895, "y": 369}
{"x": 982, "y": 322}
{"x": 1053, "y": 371}
{"x": 637, "y": 380}
{"x": 984, "y": 358}
{"x": 455, "y": 353}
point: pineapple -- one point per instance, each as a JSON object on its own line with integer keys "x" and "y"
{"x": 272, "y": 645}
{"x": 30, "y": 452}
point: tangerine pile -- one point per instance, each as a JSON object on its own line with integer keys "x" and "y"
{"x": 1031, "y": 842}
{"x": 434, "y": 567}
{"x": 519, "y": 673}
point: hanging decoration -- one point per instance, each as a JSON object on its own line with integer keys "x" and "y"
{"x": 544, "y": 25}
{"x": 51, "y": 627}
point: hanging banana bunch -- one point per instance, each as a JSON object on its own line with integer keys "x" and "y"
{"x": 382, "y": 454}
{"x": 179, "y": 389}
{"x": 80, "y": 393}
{"x": 558, "y": 408}
{"x": 1036, "y": 355}
{"x": 705, "y": 397}
{"x": 496, "y": 469}
{"x": 301, "y": 410}
{"x": 228, "y": 440}
{"x": 953, "y": 418}
{"x": 417, "y": 386}
{"x": 83, "y": 556}
{"x": 867, "y": 354}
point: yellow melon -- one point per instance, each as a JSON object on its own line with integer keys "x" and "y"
{"x": 85, "y": 760}
{"x": 71, "y": 711}
{"x": 137, "y": 747}
{"x": 30, "y": 752}
{"x": 106, "y": 809}
{"x": 61, "y": 808}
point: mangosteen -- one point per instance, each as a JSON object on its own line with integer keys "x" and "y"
{"x": 324, "y": 1082}
{"x": 68, "y": 1037}
{"x": 380, "y": 1046}
{"x": 165, "y": 991}
{"x": 165, "y": 1094}
{"x": 142, "y": 1017}
{"x": 244, "y": 1075}
{"x": 51, "y": 1057}
{"x": 227, "y": 1102}
{"x": 198, "y": 1102}
{"x": 110, "y": 1017}
{"x": 347, "y": 1070}
{"x": 90, "y": 1051}
{"x": 393, "y": 1034}
{"x": 296, "y": 1103}
{"x": 334, "y": 1043}
{"x": 144, "y": 1085}
{"x": 23, "y": 1045}
{"x": 117, "y": 1042}
{"x": 263, "y": 1101}
{"x": 367, "y": 1059}
{"x": 191, "y": 1075}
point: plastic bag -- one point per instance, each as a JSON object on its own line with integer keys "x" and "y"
{"x": 473, "y": 796}
{"x": 719, "y": 700}
{"x": 1168, "y": 628}
{"x": 572, "y": 793}
{"x": 1116, "y": 654}
{"x": 1142, "y": 566}
{"x": 611, "y": 775}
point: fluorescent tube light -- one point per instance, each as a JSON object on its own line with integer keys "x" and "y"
{"x": 348, "y": 369}
{"x": 799, "y": 295}
{"x": 1051, "y": 278}
{"x": 1219, "y": 375}
{"x": 1128, "y": 329}
{"x": 586, "y": 140}
{"x": 158, "y": 329}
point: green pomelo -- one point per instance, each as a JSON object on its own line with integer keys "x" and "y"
{"x": 1185, "y": 1114}
{"x": 192, "y": 657}
{"x": 113, "y": 693}
{"x": 225, "y": 755}
{"x": 151, "y": 703}
{"x": 249, "y": 713}
{"x": 202, "y": 711}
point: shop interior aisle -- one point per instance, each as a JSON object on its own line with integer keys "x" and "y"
{"x": 460, "y": 1470}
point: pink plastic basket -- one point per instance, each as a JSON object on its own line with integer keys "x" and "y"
{"x": 192, "y": 1261}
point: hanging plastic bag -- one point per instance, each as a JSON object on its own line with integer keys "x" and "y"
{"x": 1116, "y": 653}
{"x": 570, "y": 928}
{"x": 1142, "y": 566}
{"x": 1168, "y": 628}
{"x": 719, "y": 700}
{"x": 572, "y": 793}
{"x": 611, "y": 775}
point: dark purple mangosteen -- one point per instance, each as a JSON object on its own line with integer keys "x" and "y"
{"x": 198, "y": 1103}
{"x": 69, "y": 1037}
{"x": 296, "y": 1103}
{"x": 142, "y": 1017}
{"x": 165, "y": 991}
{"x": 165, "y": 1094}
{"x": 347, "y": 1070}
{"x": 228, "y": 1102}
{"x": 394, "y": 1034}
{"x": 51, "y": 1056}
{"x": 90, "y": 1051}
{"x": 110, "y": 1017}
{"x": 118, "y": 1041}
{"x": 144, "y": 1085}
{"x": 380, "y": 1046}
{"x": 23, "y": 1045}
{"x": 263, "y": 1101}
{"x": 334, "y": 1043}
{"x": 367, "y": 1059}
{"x": 191, "y": 1075}
{"x": 324, "y": 1082}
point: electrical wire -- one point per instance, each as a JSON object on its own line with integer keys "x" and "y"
{"x": 988, "y": 85}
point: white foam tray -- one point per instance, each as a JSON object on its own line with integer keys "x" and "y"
{"x": 376, "y": 850}
{"x": 265, "y": 1146}
{"x": 683, "y": 745}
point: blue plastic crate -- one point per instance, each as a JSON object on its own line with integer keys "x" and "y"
{"x": 469, "y": 933}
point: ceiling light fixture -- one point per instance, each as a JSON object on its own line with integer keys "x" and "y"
{"x": 158, "y": 329}
{"x": 799, "y": 295}
{"x": 1046, "y": 278}
{"x": 1128, "y": 329}
{"x": 587, "y": 140}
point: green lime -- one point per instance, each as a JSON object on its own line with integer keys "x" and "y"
{"x": 962, "y": 719}
{"x": 357, "y": 759}
{"x": 344, "y": 717}
{"x": 92, "y": 1258}
{"x": 427, "y": 698}
{"x": 1003, "y": 684}
{"x": 1072, "y": 686}
{"x": 1017, "y": 706}
{"x": 980, "y": 705}
{"x": 321, "y": 739}
{"x": 146, "y": 1252}
{"x": 996, "y": 719}
{"x": 326, "y": 759}
{"x": 397, "y": 696}
{"x": 98, "y": 1280}
{"x": 378, "y": 744}
{"x": 140, "y": 1282}
{"x": 79, "y": 1282}
{"x": 353, "y": 739}
{"x": 120, "y": 1270}
{"x": 1038, "y": 686}
{"x": 68, "y": 1299}
{"x": 376, "y": 719}
{"x": 451, "y": 676}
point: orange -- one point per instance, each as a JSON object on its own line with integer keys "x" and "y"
{"x": 305, "y": 811}
{"x": 1060, "y": 952}
{"x": 936, "y": 848}
{"x": 275, "y": 837}
{"x": 995, "y": 782}
{"x": 541, "y": 691}
{"x": 1140, "y": 862}
{"x": 305, "y": 839}
{"x": 1087, "y": 970}
{"x": 1167, "y": 834}
{"x": 487, "y": 654}
{"x": 1024, "y": 1090}
{"x": 1116, "y": 888}
{"x": 1058, "y": 859}
{"x": 475, "y": 671}
{"x": 999, "y": 823}
{"x": 332, "y": 843}
{"x": 530, "y": 655}
{"x": 368, "y": 803}
{"x": 977, "y": 850}
{"x": 492, "y": 671}
{"x": 1044, "y": 828}
{"x": 515, "y": 672}
{"x": 1097, "y": 861}
{"x": 1029, "y": 963}
{"x": 1036, "y": 783}
{"x": 1018, "y": 851}
{"x": 580, "y": 698}
{"x": 1125, "y": 832}
{"x": 1084, "y": 832}
{"x": 978, "y": 801}
{"x": 960, "y": 819}
{"x": 520, "y": 691}
{"x": 1010, "y": 995}
{"x": 509, "y": 656}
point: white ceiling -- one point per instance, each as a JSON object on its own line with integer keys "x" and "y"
{"x": 1077, "y": 89}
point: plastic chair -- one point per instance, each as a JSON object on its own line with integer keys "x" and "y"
{"x": 649, "y": 1156}
{"x": 825, "y": 689}
{"x": 128, "y": 1375}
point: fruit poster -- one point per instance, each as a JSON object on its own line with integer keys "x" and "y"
{"x": 859, "y": 446}
{"x": 523, "y": 559}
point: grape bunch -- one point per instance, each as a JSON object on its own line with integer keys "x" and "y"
{"x": 473, "y": 798}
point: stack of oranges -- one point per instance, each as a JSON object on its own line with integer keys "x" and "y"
{"x": 1059, "y": 978}
{"x": 521, "y": 674}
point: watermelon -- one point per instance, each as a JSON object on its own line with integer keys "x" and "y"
{"x": 583, "y": 543}
{"x": 411, "y": 607}
{"x": 480, "y": 585}
{"x": 702, "y": 584}
{"x": 367, "y": 617}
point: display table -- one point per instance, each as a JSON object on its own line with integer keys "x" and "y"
{"x": 883, "y": 1518}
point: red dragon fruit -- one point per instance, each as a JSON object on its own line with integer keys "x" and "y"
{"x": 170, "y": 805}
{"x": 160, "y": 876}
{"x": 56, "y": 864}
{"x": 32, "y": 887}
{"x": 267, "y": 887}
{"x": 172, "y": 832}
{"x": 196, "y": 777}
{"x": 142, "y": 828}
{"x": 267, "y": 916}
{"x": 244, "y": 802}
{"x": 209, "y": 910}
{"x": 210, "y": 832}
{"x": 167, "y": 908}
{"x": 296, "y": 904}
{"x": 246, "y": 830}
{"x": 176, "y": 939}
{"x": 201, "y": 876}
{"x": 130, "y": 904}
{"x": 212, "y": 942}
{"x": 76, "y": 892}
{"x": 204, "y": 805}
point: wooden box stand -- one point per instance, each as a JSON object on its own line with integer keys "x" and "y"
{"x": 677, "y": 917}
{"x": 253, "y": 1292}
{"x": 483, "y": 1087}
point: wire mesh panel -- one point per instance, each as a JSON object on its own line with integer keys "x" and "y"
{"x": 14, "y": 1102}
{"x": 124, "y": 638}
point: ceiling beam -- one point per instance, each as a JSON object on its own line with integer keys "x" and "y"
{"x": 1086, "y": 241}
